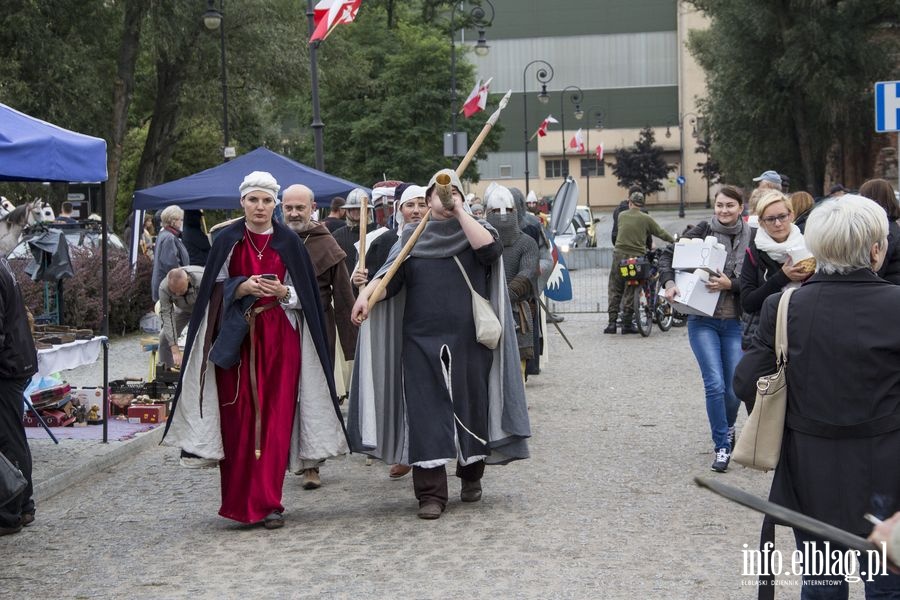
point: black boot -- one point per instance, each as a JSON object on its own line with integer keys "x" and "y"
{"x": 611, "y": 328}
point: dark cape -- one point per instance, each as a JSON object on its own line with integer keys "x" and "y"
{"x": 200, "y": 424}
{"x": 387, "y": 424}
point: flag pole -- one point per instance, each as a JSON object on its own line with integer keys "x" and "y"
{"x": 492, "y": 120}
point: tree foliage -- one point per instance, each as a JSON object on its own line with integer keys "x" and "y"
{"x": 642, "y": 164}
{"x": 790, "y": 81}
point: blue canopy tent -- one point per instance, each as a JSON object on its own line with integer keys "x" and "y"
{"x": 218, "y": 187}
{"x": 34, "y": 150}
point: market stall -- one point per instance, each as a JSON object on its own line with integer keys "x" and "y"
{"x": 34, "y": 150}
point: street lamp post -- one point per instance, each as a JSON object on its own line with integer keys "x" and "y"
{"x": 544, "y": 75}
{"x": 481, "y": 49}
{"x": 317, "y": 125}
{"x": 214, "y": 19}
{"x": 681, "y": 120}
{"x": 599, "y": 114}
{"x": 576, "y": 96}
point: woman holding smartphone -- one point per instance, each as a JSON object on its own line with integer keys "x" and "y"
{"x": 258, "y": 313}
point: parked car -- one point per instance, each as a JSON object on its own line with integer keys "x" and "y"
{"x": 575, "y": 235}
{"x": 76, "y": 236}
{"x": 587, "y": 215}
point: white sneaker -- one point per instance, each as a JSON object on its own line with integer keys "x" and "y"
{"x": 192, "y": 462}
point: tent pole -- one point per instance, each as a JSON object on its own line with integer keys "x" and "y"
{"x": 104, "y": 315}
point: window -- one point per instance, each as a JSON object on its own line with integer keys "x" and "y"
{"x": 556, "y": 168}
{"x": 592, "y": 167}
{"x": 505, "y": 171}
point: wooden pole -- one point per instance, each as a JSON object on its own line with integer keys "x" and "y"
{"x": 363, "y": 226}
{"x": 407, "y": 248}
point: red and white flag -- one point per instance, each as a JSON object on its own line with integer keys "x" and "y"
{"x": 577, "y": 142}
{"x": 600, "y": 151}
{"x": 542, "y": 130}
{"x": 330, "y": 13}
{"x": 477, "y": 100}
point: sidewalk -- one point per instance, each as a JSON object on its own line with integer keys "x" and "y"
{"x": 81, "y": 452}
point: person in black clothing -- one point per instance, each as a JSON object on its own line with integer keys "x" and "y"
{"x": 335, "y": 219}
{"x": 194, "y": 238}
{"x": 882, "y": 192}
{"x": 18, "y": 362}
{"x": 348, "y": 236}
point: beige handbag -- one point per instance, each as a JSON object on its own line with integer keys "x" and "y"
{"x": 759, "y": 445}
{"x": 487, "y": 325}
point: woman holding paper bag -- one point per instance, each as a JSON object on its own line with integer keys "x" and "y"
{"x": 716, "y": 340}
{"x": 840, "y": 454}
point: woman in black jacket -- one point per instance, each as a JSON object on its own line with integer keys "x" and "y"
{"x": 767, "y": 268}
{"x": 882, "y": 192}
{"x": 840, "y": 454}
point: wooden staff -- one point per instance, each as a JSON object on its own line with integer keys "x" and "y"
{"x": 407, "y": 248}
{"x": 363, "y": 226}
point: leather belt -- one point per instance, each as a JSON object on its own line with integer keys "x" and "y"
{"x": 251, "y": 318}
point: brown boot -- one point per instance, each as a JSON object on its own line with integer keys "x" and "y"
{"x": 430, "y": 511}
{"x": 397, "y": 471}
{"x": 311, "y": 479}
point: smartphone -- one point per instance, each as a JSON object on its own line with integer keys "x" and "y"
{"x": 270, "y": 276}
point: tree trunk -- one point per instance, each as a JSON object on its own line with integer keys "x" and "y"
{"x": 171, "y": 72}
{"x": 122, "y": 95}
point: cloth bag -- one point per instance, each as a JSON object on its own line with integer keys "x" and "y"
{"x": 12, "y": 481}
{"x": 487, "y": 325}
{"x": 759, "y": 445}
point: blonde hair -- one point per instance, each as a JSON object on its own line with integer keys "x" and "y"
{"x": 170, "y": 214}
{"x": 768, "y": 185}
{"x": 841, "y": 233}
{"x": 768, "y": 198}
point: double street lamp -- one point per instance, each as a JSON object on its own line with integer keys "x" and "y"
{"x": 480, "y": 20}
{"x": 576, "y": 96}
{"x": 214, "y": 19}
{"x": 544, "y": 74}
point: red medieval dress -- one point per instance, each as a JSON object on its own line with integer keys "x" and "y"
{"x": 251, "y": 486}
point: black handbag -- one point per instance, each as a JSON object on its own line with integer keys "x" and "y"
{"x": 12, "y": 481}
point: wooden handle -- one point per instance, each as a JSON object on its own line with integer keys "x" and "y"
{"x": 363, "y": 226}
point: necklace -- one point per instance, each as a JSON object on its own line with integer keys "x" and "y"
{"x": 259, "y": 252}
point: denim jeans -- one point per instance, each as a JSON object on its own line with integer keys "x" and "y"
{"x": 834, "y": 587}
{"x": 717, "y": 346}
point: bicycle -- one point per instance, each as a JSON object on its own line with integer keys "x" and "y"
{"x": 643, "y": 274}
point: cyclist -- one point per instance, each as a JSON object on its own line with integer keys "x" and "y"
{"x": 631, "y": 240}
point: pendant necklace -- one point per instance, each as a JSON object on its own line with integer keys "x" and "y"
{"x": 259, "y": 253}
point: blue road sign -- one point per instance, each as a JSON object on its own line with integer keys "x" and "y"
{"x": 680, "y": 180}
{"x": 887, "y": 106}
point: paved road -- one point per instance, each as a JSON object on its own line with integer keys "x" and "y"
{"x": 605, "y": 508}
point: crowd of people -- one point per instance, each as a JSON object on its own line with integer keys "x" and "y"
{"x": 428, "y": 387}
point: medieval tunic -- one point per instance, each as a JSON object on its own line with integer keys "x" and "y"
{"x": 438, "y": 395}
{"x": 213, "y": 415}
{"x": 334, "y": 284}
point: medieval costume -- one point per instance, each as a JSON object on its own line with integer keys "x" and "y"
{"x": 520, "y": 262}
{"x": 439, "y": 395}
{"x": 243, "y": 398}
{"x": 334, "y": 283}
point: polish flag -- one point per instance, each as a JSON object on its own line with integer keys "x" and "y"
{"x": 600, "y": 151}
{"x": 542, "y": 130}
{"x": 330, "y": 13}
{"x": 477, "y": 100}
{"x": 577, "y": 142}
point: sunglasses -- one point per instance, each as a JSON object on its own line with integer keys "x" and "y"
{"x": 775, "y": 219}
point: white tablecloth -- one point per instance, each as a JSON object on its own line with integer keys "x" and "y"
{"x": 69, "y": 356}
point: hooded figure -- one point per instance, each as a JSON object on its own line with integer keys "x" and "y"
{"x": 520, "y": 262}
{"x": 424, "y": 391}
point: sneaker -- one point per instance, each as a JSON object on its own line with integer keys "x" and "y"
{"x": 723, "y": 457}
{"x": 555, "y": 318}
{"x": 732, "y": 437}
{"x": 611, "y": 328}
{"x": 311, "y": 479}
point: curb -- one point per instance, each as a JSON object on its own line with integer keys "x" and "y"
{"x": 47, "y": 489}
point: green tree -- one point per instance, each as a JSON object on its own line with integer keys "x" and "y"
{"x": 642, "y": 164}
{"x": 787, "y": 81}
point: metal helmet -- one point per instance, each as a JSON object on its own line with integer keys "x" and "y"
{"x": 356, "y": 197}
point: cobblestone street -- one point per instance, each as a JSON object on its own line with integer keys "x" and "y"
{"x": 605, "y": 508}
